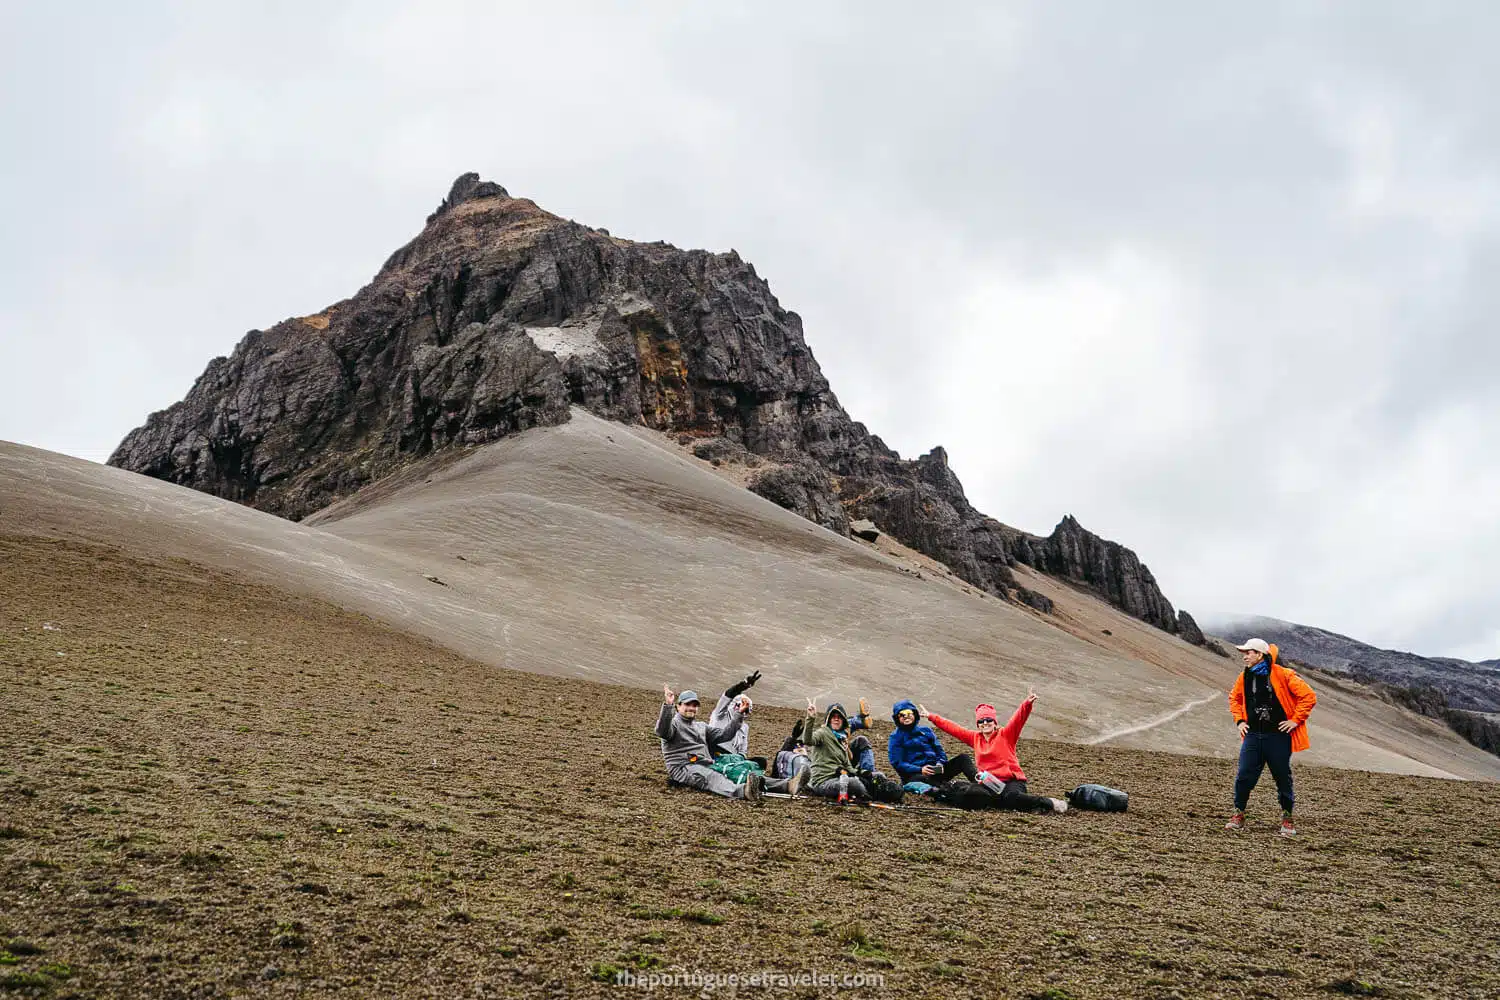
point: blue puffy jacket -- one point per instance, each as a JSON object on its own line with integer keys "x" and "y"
{"x": 913, "y": 747}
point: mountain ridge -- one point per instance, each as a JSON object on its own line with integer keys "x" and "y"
{"x": 499, "y": 317}
{"x": 1469, "y": 685}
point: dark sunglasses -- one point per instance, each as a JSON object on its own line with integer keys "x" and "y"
{"x": 990, "y": 721}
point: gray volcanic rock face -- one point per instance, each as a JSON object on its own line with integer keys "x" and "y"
{"x": 1109, "y": 568}
{"x": 499, "y": 316}
{"x": 805, "y": 489}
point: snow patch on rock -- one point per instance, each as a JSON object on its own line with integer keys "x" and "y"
{"x": 567, "y": 341}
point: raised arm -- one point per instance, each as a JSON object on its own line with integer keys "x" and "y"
{"x": 739, "y": 688}
{"x": 1012, "y": 729}
{"x": 664, "y": 721}
{"x": 722, "y": 728}
{"x": 721, "y": 709}
{"x": 953, "y": 729}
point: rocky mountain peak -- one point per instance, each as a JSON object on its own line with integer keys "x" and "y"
{"x": 500, "y": 316}
{"x": 468, "y": 187}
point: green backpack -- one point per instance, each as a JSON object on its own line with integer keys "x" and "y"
{"x": 735, "y": 768}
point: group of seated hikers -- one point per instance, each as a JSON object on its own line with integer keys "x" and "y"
{"x": 823, "y": 757}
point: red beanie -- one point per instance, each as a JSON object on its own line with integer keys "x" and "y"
{"x": 985, "y": 712}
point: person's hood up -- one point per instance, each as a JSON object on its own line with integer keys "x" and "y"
{"x": 836, "y": 709}
{"x": 905, "y": 704}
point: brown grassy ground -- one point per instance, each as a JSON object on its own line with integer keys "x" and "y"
{"x": 213, "y": 789}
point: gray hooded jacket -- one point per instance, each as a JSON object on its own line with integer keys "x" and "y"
{"x": 739, "y": 740}
{"x": 684, "y": 743}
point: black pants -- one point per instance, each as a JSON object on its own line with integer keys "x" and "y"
{"x": 962, "y": 764}
{"x": 967, "y": 795}
{"x": 972, "y": 795}
{"x": 1258, "y": 752}
{"x": 1016, "y": 797}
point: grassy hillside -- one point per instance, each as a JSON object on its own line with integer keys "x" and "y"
{"x": 211, "y": 789}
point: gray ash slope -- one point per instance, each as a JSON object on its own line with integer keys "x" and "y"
{"x": 1470, "y": 686}
{"x": 499, "y": 317}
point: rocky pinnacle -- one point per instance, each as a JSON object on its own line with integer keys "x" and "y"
{"x": 500, "y": 316}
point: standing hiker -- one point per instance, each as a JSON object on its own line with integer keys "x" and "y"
{"x": 995, "y": 755}
{"x": 1270, "y": 705}
{"x": 684, "y": 749}
{"x": 734, "y": 696}
{"x": 925, "y": 768}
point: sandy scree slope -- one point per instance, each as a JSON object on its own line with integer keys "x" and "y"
{"x": 596, "y": 550}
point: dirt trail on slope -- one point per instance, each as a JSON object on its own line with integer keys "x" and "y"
{"x": 210, "y": 788}
{"x": 1151, "y": 723}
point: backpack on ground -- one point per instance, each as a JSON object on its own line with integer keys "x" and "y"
{"x": 1099, "y": 798}
{"x": 882, "y": 789}
{"x": 735, "y": 767}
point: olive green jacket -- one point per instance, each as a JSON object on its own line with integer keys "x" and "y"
{"x": 827, "y": 755}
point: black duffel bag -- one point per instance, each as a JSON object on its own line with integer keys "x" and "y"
{"x": 1099, "y": 798}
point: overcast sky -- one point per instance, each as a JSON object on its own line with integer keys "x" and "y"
{"x": 1215, "y": 278}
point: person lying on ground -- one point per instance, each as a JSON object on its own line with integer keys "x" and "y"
{"x": 684, "y": 750}
{"x": 739, "y": 740}
{"x": 917, "y": 755}
{"x": 1270, "y": 705}
{"x": 995, "y": 755}
{"x": 833, "y": 765}
{"x": 792, "y": 757}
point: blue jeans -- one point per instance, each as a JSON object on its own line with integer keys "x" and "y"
{"x": 1260, "y": 751}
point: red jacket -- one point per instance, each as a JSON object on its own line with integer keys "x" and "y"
{"x": 1297, "y": 699}
{"x": 994, "y": 753}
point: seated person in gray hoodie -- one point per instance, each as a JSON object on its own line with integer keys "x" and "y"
{"x": 739, "y": 740}
{"x": 684, "y": 749}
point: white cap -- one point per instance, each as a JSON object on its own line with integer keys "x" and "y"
{"x": 1259, "y": 645}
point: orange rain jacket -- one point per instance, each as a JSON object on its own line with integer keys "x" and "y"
{"x": 1297, "y": 699}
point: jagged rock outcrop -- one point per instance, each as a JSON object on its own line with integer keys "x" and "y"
{"x": 719, "y": 450}
{"x": 499, "y": 317}
{"x": 803, "y": 488}
{"x": 1108, "y": 567}
{"x": 1188, "y": 631}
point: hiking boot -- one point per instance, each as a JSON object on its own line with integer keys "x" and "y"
{"x": 1287, "y": 828}
{"x": 1059, "y": 806}
{"x": 864, "y": 713}
{"x": 795, "y": 782}
{"x": 755, "y": 787}
{"x": 1236, "y": 822}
